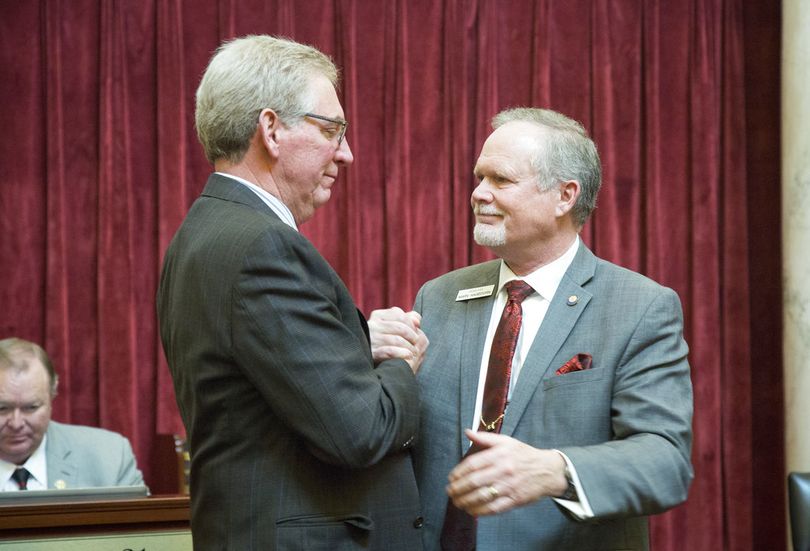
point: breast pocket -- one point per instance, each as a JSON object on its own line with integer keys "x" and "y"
{"x": 575, "y": 377}
{"x": 576, "y": 407}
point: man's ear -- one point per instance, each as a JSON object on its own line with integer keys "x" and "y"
{"x": 569, "y": 192}
{"x": 267, "y": 128}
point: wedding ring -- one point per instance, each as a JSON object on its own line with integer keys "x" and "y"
{"x": 493, "y": 492}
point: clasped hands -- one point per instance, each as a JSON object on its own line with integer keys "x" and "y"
{"x": 506, "y": 473}
{"x": 395, "y": 333}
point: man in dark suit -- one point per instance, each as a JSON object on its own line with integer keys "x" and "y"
{"x": 579, "y": 395}
{"x": 37, "y": 453}
{"x": 299, "y": 430}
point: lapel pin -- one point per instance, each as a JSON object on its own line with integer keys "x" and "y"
{"x": 60, "y": 485}
{"x": 573, "y": 299}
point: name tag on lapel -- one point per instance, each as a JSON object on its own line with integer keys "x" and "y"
{"x": 475, "y": 292}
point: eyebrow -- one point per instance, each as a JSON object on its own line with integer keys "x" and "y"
{"x": 505, "y": 173}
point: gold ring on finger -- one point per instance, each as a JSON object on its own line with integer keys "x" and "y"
{"x": 493, "y": 492}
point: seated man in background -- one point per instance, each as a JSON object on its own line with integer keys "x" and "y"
{"x": 38, "y": 454}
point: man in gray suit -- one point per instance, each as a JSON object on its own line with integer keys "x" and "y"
{"x": 37, "y": 453}
{"x": 591, "y": 429}
{"x": 299, "y": 428}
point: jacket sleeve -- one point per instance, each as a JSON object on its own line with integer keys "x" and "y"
{"x": 297, "y": 335}
{"x": 646, "y": 467}
{"x": 128, "y": 472}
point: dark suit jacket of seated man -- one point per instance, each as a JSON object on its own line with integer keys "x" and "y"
{"x": 597, "y": 431}
{"x": 51, "y": 455}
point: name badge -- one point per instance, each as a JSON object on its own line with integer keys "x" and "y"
{"x": 475, "y": 292}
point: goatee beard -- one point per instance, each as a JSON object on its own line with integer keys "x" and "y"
{"x": 489, "y": 236}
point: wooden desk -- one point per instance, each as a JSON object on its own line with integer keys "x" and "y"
{"x": 148, "y": 524}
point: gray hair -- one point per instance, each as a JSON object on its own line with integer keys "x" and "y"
{"x": 249, "y": 74}
{"x": 18, "y": 354}
{"x": 569, "y": 154}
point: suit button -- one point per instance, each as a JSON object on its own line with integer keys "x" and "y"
{"x": 418, "y": 522}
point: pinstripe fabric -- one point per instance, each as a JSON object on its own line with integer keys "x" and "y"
{"x": 297, "y": 441}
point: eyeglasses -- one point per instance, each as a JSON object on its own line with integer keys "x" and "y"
{"x": 331, "y": 132}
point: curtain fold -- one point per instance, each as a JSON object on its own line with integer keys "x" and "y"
{"x": 68, "y": 191}
{"x": 175, "y": 120}
{"x": 101, "y": 162}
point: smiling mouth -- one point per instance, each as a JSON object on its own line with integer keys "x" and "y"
{"x": 486, "y": 210}
{"x": 481, "y": 217}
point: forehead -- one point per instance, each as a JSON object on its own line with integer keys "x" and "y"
{"x": 27, "y": 384}
{"x": 511, "y": 147}
{"x": 325, "y": 97}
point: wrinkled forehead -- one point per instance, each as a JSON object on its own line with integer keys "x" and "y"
{"x": 25, "y": 366}
{"x": 323, "y": 98}
{"x": 511, "y": 147}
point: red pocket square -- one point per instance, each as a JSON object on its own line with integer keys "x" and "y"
{"x": 580, "y": 362}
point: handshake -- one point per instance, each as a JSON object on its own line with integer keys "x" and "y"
{"x": 395, "y": 333}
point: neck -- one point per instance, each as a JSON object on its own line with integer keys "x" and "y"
{"x": 524, "y": 262}
{"x": 247, "y": 171}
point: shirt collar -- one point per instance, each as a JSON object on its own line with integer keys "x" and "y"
{"x": 545, "y": 279}
{"x": 37, "y": 465}
{"x": 270, "y": 200}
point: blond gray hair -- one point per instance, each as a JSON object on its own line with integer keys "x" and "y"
{"x": 18, "y": 354}
{"x": 569, "y": 154}
{"x": 249, "y": 74}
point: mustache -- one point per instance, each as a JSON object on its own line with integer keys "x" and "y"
{"x": 487, "y": 210}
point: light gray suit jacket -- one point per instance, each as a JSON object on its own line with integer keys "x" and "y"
{"x": 625, "y": 423}
{"x": 88, "y": 457}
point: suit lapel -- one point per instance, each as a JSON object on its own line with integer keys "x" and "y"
{"x": 476, "y": 322}
{"x": 62, "y": 472}
{"x": 558, "y": 323}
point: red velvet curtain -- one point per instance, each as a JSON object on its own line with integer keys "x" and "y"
{"x": 100, "y": 162}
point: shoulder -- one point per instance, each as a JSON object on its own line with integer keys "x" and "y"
{"x": 229, "y": 212}
{"x": 470, "y": 276}
{"x": 613, "y": 273}
{"x": 226, "y": 228}
{"x": 613, "y": 285}
{"x": 84, "y": 434}
{"x": 608, "y": 272}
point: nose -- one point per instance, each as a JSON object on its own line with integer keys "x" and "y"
{"x": 15, "y": 419}
{"x": 481, "y": 194}
{"x": 343, "y": 155}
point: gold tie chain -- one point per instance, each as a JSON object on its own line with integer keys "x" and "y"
{"x": 491, "y": 426}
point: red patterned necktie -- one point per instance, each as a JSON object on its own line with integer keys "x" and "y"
{"x": 458, "y": 532}
{"x": 21, "y": 476}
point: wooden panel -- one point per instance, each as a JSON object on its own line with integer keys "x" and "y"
{"x": 89, "y": 517}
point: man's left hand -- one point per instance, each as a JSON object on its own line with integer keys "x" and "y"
{"x": 504, "y": 474}
{"x": 395, "y": 333}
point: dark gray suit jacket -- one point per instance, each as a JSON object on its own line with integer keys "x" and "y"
{"x": 625, "y": 423}
{"x": 297, "y": 441}
{"x": 87, "y": 457}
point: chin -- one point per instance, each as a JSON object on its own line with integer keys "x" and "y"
{"x": 18, "y": 456}
{"x": 489, "y": 236}
{"x": 321, "y": 197}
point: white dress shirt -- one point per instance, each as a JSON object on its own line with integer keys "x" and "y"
{"x": 269, "y": 199}
{"x": 544, "y": 281}
{"x": 36, "y": 465}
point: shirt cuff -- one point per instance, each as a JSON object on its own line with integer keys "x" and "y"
{"x": 580, "y": 509}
